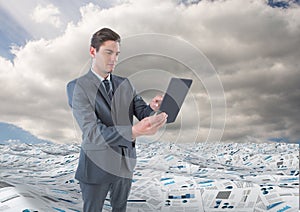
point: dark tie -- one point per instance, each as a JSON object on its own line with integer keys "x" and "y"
{"x": 107, "y": 88}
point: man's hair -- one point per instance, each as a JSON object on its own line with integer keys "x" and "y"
{"x": 103, "y": 35}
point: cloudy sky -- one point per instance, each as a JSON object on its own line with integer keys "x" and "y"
{"x": 251, "y": 47}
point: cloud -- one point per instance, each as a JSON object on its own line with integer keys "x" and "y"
{"x": 253, "y": 47}
{"x": 47, "y": 14}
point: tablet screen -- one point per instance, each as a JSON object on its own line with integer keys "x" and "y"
{"x": 174, "y": 97}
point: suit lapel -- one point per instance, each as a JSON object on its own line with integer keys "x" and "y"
{"x": 104, "y": 94}
{"x": 114, "y": 82}
{"x": 95, "y": 80}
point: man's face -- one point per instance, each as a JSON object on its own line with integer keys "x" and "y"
{"x": 104, "y": 61}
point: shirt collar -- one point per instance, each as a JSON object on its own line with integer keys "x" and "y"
{"x": 99, "y": 77}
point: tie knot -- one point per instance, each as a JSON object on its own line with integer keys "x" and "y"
{"x": 105, "y": 81}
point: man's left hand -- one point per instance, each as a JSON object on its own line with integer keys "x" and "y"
{"x": 156, "y": 102}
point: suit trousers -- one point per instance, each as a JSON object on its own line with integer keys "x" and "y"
{"x": 94, "y": 195}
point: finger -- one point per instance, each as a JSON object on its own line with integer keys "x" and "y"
{"x": 163, "y": 115}
{"x": 159, "y": 115}
{"x": 159, "y": 125}
{"x": 159, "y": 97}
{"x": 162, "y": 124}
{"x": 159, "y": 120}
{"x": 159, "y": 100}
{"x": 155, "y": 104}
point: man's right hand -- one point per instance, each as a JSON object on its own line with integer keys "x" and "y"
{"x": 149, "y": 125}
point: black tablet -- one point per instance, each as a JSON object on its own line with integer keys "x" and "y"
{"x": 174, "y": 97}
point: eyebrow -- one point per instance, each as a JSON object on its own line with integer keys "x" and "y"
{"x": 109, "y": 50}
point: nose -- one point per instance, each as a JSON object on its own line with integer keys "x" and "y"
{"x": 114, "y": 57}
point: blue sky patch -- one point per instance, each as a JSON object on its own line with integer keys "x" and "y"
{"x": 11, "y": 33}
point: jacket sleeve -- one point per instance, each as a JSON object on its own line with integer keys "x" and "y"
{"x": 141, "y": 109}
{"x": 93, "y": 130}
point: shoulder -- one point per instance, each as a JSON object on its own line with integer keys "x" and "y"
{"x": 86, "y": 77}
{"x": 86, "y": 81}
{"x": 117, "y": 78}
{"x": 72, "y": 83}
{"x": 122, "y": 83}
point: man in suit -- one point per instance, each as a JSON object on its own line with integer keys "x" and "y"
{"x": 103, "y": 105}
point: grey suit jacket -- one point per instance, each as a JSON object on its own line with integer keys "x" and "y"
{"x": 107, "y": 150}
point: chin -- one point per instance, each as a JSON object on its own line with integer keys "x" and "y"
{"x": 109, "y": 70}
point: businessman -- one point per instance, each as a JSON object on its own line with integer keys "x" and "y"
{"x": 103, "y": 105}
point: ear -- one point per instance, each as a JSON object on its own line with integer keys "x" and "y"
{"x": 92, "y": 52}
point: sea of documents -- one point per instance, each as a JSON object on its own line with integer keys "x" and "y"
{"x": 168, "y": 177}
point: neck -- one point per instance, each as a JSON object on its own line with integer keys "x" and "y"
{"x": 103, "y": 74}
